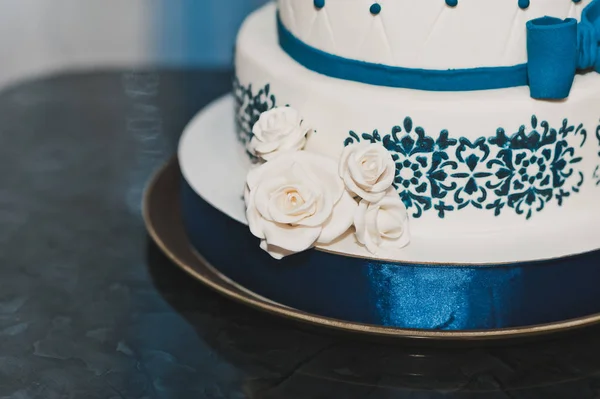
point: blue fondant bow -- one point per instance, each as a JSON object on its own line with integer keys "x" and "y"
{"x": 557, "y": 48}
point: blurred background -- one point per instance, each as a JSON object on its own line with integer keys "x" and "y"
{"x": 43, "y": 36}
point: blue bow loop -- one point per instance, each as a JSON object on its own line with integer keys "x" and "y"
{"x": 589, "y": 37}
{"x": 557, "y": 48}
{"x": 587, "y": 46}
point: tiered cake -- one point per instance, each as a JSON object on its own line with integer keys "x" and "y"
{"x": 443, "y": 156}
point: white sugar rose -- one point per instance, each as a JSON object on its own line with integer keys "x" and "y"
{"x": 368, "y": 170}
{"x": 278, "y": 130}
{"x": 295, "y": 201}
{"x": 382, "y": 225}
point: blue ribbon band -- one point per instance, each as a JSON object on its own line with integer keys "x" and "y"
{"x": 556, "y": 50}
{"x": 420, "y": 296}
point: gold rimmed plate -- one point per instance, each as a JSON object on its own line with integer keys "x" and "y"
{"x": 163, "y": 220}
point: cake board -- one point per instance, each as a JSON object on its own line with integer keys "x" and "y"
{"x": 164, "y": 221}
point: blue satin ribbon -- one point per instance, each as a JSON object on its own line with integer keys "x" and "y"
{"x": 556, "y": 48}
{"x": 405, "y": 295}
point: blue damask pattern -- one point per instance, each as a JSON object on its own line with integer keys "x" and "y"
{"x": 522, "y": 171}
{"x": 248, "y": 107}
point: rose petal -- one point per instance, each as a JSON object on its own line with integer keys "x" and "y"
{"x": 367, "y": 184}
{"x": 262, "y": 147}
{"x": 322, "y": 199}
{"x": 285, "y": 227}
{"x": 320, "y": 174}
{"x": 326, "y": 170}
{"x": 323, "y": 208}
{"x": 362, "y": 228}
{"x": 255, "y": 221}
{"x": 296, "y": 145}
{"x": 291, "y": 238}
{"x": 371, "y": 176}
{"x": 387, "y": 177}
{"x": 294, "y": 136}
{"x": 392, "y": 200}
{"x": 269, "y": 169}
{"x": 276, "y": 252}
{"x": 262, "y": 194}
{"x": 372, "y": 230}
{"x": 351, "y": 185}
{"x": 368, "y": 152}
{"x": 390, "y": 224}
{"x": 356, "y": 172}
{"x": 277, "y": 130}
{"x": 371, "y": 197}
{"x": 280, "y": 214}
{"x": 383, "y": 225}
{"x": 281, "y": 117}
{"x": 399, "y": 243}
{"x": 340, "y": 220}
{"x": 360, "y": 222}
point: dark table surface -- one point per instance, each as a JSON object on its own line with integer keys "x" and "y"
{"x": 90, "y": 308}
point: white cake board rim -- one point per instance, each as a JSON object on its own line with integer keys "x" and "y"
{"x": 215, "y": 164}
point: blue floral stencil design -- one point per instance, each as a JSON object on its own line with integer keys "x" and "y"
{"x": 422, "y": 165}
{"x": 248, "y": 107}
{"x": 522, "y": 171}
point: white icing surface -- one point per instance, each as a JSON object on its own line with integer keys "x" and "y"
{"x": 335, "y": 107}
{"x": 422, "y": 33}
{"x": 216, "y": 166}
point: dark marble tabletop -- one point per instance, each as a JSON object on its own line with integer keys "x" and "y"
{"x": 90, "y": 308}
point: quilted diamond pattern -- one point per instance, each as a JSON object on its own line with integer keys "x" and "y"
{"x": 321, "y": 31}
{"x": 422, "y": 33}
{"x": 375, "y": 46}
{"x": 348, "y": 40}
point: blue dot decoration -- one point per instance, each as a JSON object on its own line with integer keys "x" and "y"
{"x": 375, "y": 9}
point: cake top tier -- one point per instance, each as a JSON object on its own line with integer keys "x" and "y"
{"x": 427, "y": 34}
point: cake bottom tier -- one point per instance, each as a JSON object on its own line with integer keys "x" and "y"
{"x": 448, "y": 285}
{"x": 493, "y": 164}
{"x": 404, "y": 295}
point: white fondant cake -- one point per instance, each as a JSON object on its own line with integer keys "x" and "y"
{"x": 442, "y": 156}
{"x": 491, "y": 162}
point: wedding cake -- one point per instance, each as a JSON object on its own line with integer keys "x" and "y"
{"x": 427, "y": 164}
